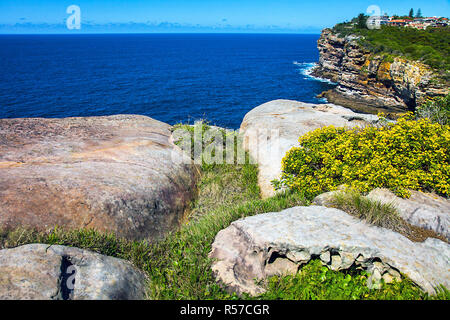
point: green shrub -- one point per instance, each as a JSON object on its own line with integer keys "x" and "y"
{"x": 317, "y": 282}
{"x": 210, "y": 146}
{"x": 430, "y": 46}
{"x": 437, "y": 110}
{"x": 408, "y": 154}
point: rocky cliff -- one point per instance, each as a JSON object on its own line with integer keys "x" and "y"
{"x": 372, "y": 82}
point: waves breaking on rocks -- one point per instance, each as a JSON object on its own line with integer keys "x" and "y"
{"x": 306, "y": 69}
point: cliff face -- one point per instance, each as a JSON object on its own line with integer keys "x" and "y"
{"x": 368, "y": 82}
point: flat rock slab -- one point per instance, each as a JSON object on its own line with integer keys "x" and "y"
{"x": 116, "y": 173}
{"x": 43, "y": 272}
{"x": 272, "y": 129}
{"x": 276, "y": 243}
{"x": 425, "y": 210}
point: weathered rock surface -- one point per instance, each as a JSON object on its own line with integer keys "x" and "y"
{"x": 325, "y": 199}
{"x": 425, "y": 210}
{"x": 368, "y": 83}
{"x": 117, "y": 173}
{"x": 275, "y": 243}
{"x": 273, "y": 128}
{"x": 43, "y": 272}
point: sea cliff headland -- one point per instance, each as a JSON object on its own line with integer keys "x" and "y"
{"x": 372, "y": 77}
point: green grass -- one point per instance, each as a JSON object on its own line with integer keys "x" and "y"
{"x": 222, "y": 184}
{"x": 316, "y": 282}
{"x": 383, "y": 215}
{"x": 182, "y": 267}
{"x": 374, "y": 212}
{"x": 178, "y": 267}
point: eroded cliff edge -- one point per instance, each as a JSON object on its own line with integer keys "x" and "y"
{"x": 371, "y": 82}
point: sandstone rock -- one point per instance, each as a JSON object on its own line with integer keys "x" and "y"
{"x": 425, "y": 210}
{"x": 368, "y": 83}
{"x": 325, "y": 199}
{"x": 249, "y": 248}
{"x": 43, "y": 272}
{"x": 117, "y": 173}
{"x": 273, "y": 128}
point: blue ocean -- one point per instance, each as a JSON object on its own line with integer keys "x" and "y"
{"x": 170, "y": 77}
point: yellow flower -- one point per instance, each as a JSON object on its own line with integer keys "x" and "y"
{"x": 406, "y": 155}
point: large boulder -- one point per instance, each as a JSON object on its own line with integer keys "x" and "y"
{"x": 273, "y": 128}
{"x": 281, "y": 242}
{"x": 44, "y": 272}
{"x": 117, "y": 173}
{"x": 425, "y": 210}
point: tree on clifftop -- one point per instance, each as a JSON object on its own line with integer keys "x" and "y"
{"x": 362, "y": 21}
{"x": 411, "y": 13}
{"x": 419, "y": 13}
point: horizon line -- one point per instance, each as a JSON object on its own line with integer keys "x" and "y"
{"x": 179, "y": 32}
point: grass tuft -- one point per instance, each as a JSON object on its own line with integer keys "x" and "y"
{"x": 379, "y": 214}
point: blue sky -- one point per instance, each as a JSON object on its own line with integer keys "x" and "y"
{"x": 201, "y": 15}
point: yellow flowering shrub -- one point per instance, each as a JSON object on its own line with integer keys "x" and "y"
{"x": 408, "y": 154}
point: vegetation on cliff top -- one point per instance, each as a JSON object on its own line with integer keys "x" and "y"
{"x": 430, "y": 46}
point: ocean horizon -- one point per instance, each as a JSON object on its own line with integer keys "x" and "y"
{"x": 171, "y": 77}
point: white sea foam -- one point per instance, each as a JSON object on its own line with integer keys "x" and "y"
{"x": 306, "y": 69}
